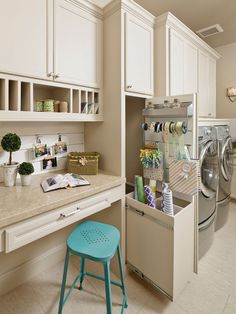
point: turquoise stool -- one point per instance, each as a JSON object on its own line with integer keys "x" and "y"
{"x": 97, "y": 242}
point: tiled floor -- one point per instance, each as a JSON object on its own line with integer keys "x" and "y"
{"x": 212, "y": 291}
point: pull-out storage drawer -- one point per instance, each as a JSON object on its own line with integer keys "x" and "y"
{"x": 161, "y": 247}
{"x": 39, "y": 226}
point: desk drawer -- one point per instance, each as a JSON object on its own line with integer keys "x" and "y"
{"x": 37, "y": 227}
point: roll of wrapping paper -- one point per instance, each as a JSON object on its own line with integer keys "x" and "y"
{"x": 140, "y": 188}
{"x": 168, "y": 202}
{"x": 135, "y": 190}
{"x": 149, "y": 196}
{"x": 153, "y": 186}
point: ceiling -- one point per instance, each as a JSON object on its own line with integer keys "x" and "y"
{"x": 197, "y": 14}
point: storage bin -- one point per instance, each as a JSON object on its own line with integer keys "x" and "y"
{"x": 82, "y": 163}
{"x": 161, "y": 247}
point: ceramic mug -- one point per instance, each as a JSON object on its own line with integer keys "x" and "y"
{"x": 48, "y": 105}
{"x": 56, "y": 105}
{"x": 38, "y": 106}
{"x": 63, "y": 106}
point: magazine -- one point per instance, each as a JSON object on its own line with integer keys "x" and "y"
{"x": 68, "y": 180}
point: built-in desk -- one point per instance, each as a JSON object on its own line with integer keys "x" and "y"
{"x": 28, "y": 214}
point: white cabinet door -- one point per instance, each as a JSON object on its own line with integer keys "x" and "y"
{"x": 190, "y": 68}
{"x": 183, "y": 65}
{"x": 176, "y": 64}
{"x": 23, "y": 34}
{"x": 212, "y": 87}
{"x": 78, "y": 45}
{"x": 203, "y": 82}
{"x": 207, "y": 86}
{"x": 139, "y": 56}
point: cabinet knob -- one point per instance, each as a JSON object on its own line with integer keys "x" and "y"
{"x": 129, "y": 86}
{"x": 56, "y": 76}
{"x": 50, "y": 74}
{"x": 209, "y": 114}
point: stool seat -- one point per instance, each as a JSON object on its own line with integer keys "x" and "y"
{"x": 97, "y": 242}
{"x": 94, "y": 240}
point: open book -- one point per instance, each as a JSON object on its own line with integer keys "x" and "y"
{"x": 63, "y": 181}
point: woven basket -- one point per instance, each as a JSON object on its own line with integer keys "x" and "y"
{"x": 82, "y": 163}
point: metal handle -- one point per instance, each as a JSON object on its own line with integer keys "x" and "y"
{"x": 71, "y": 213}
{"x": 55, "y": 76}
{"x": 227, "y": 176}
{"x": 129, "y": 86}
{"x": 209, "y": 114}
{"x": 140, "y": 212}
{"x": 50, "y": 74}
{"x": 208, "y": 193}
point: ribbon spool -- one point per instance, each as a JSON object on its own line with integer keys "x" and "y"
{"x": 152, "y": 127}
{"x": 145, "y": 126}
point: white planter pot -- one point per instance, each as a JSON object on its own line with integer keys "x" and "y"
{"x": 9, "y": 174}
{"x": 25, "y": 180}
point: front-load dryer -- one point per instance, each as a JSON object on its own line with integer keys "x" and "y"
{"x": 225, "y": 157}
{"x": 209, "y": 177}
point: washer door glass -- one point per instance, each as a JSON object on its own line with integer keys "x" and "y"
{"x": 209, "y": 169}
{"x": 227, "y": 160}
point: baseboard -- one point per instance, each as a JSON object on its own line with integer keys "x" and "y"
{"x": 20, "y": 274}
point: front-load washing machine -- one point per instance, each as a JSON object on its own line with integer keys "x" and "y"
{"x": 209, "y": 177}
{"x": 225, "y": 157}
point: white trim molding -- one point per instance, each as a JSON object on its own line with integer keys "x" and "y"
{"x": 173, "y": 22}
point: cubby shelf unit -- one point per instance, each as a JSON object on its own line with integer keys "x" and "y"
{"x": 19, "y": 94}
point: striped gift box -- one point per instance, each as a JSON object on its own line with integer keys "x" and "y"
{"x": 184, "y": 176}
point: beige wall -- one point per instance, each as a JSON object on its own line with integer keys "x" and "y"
{"x": 226, "y": 77}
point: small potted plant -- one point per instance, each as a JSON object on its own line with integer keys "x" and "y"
{"x": 11, "y": 142}
{"x": 25, "y": 170}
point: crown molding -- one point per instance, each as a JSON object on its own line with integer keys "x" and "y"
{"x": 88, "y": 7}
{"x": 173, "y": 22}
{"x": 131, "y": 7}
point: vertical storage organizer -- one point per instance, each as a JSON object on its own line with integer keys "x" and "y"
{"x": 160, "y": 248}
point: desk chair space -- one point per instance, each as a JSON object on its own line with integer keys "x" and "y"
{"x": 97, "y": 242}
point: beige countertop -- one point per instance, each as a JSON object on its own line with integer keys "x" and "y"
{"x": 18, "y": 203}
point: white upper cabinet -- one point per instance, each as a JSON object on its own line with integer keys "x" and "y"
{"x": 138, "y": 56}
{"x": 207, "y": 86}
{"x": 176, "y": 64}
{"x": 52, "y": 39}
{"x": 23, "y": 34}
{"x": 212, "y": 86}
{"x": 190, "y": 68}
{"x": 78, "y": 45}
{"x": 183, "y": 65}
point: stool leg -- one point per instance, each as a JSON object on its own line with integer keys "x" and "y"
{"x": 122, "y": 275}
{"x": 81, "y": 272}
{"x": 108, "y": 287}
{"x": 63, "y": 282}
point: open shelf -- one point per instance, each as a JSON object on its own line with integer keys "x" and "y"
{"x": 3, "y": 94}
{"x": 18, "y": 98}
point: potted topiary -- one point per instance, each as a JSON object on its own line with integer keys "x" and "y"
{"x": 25, "y": 170}
{"x": 11, "y": 142}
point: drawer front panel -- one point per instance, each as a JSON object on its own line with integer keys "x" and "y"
{"x": 37, "y": 227}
